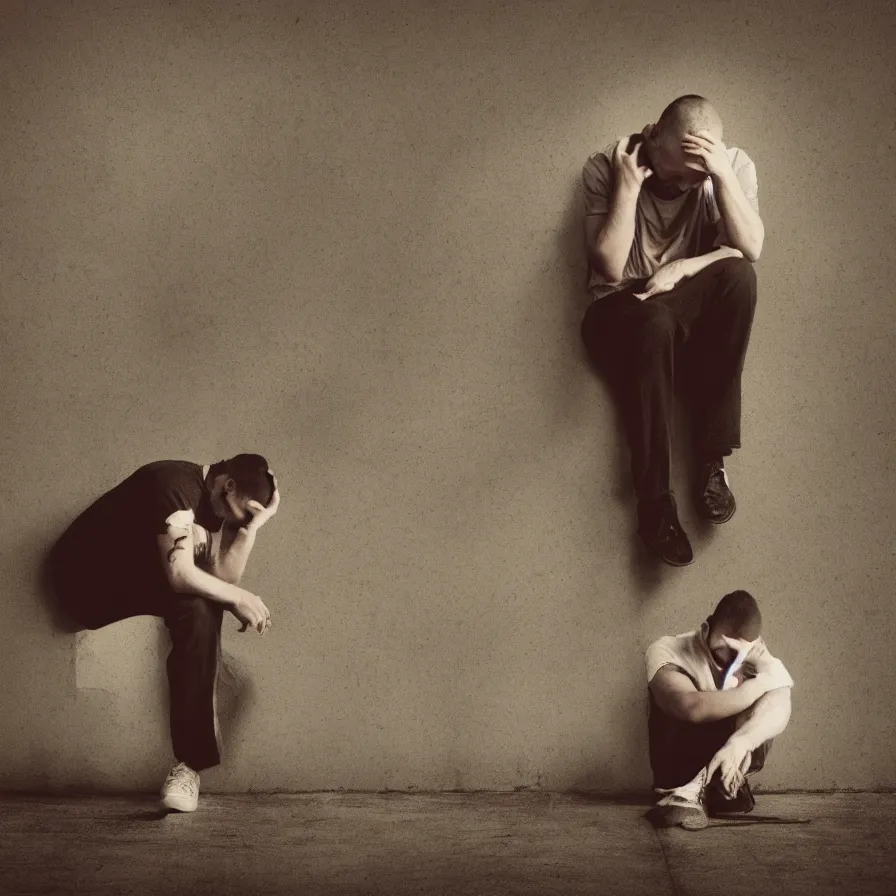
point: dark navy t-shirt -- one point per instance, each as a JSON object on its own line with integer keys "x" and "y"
{"x": 117, "y": 533}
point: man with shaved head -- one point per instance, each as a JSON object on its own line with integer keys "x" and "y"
{"x": 672, "y": 227}
{"x": 717, "y": 697}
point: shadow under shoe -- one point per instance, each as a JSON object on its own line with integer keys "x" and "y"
{"x": 660, "y": 530}
{"x": 714, "y": 498}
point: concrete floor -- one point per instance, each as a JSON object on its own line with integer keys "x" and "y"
{"x": 459, "y": 844}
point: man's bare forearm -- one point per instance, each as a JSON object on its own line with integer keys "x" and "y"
{"x": 710, "y": 706}
{"x": 230, "y": 563}
{"x": 193, "y": 580}
{"x": 767, "y": 719}
{"x": 743, "y": 225}
{"x": 616, "y": 236}
{"x": 699, "y": 262}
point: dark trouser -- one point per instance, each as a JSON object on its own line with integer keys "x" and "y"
{"x": 195, "y": 627}
{"x": 698, "y": 332}
{"x": 679, "y": 749}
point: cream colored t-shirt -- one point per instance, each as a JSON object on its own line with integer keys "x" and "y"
{"x": 688, "y": 652}
{"x": 665, "y": 229}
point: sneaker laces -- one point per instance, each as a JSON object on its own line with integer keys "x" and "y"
{"x": 690, "y": 794}
{"x": 182, "y": 779}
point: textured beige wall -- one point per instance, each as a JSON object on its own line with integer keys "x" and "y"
{"x": 348, "y": 235}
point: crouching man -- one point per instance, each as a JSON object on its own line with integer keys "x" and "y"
{"x": 172, "y": 540}
{"x": 717, "y": 699}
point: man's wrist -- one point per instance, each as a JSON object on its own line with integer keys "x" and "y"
{"x": 741, "y": 742}
{"x": 627, "y": 192}
{"x": 725, "y": 179}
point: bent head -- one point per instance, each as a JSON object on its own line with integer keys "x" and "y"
{"x": 237, "y": 482}
{"x": 734, "y": 625}
{"x": 685, "y": 115}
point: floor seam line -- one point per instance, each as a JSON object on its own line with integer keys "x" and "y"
{"x": 659, "y": 839}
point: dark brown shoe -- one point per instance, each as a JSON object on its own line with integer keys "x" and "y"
{"x": 719, "y": 803}
{"x": 716, "y": 503}
{"x": 661, "y": 531}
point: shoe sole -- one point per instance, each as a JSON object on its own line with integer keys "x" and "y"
{"x": 179, "y": 805}
{"x": 655, "y": 553}
{"x": 686, "y": 818}
{"x": 695, "y": 822}
{"x": 675, "y": 563}
{"x": 720, "y": 522}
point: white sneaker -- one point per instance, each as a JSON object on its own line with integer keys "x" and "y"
{"x": 684, "y": 805}
{"x": 181, "y": 789}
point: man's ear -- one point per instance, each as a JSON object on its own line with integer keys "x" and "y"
{"x": 229, "y": 485}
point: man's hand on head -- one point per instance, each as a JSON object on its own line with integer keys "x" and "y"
{"x": 630, "y": 173}
{"x": 260, "y": 513}
{"x": 706, "y": 154}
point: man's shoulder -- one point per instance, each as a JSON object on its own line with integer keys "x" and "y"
{"x": 673, "y": 650}
{"x": 669, "y": 648}
{"x": 739, "y": 158}
{"x": 683, "y": 640}
{"x": 165, "y": 475}
{"x": 602, "y": 159}
{"x": 172, "y": 469}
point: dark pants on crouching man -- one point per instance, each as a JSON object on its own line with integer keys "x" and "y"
{"x": 195, "y": 626}
{"x": 679, "y": 749}
{"x": 696, "y": 333}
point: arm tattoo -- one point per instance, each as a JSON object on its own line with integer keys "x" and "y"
{"x": 177, "y": 547}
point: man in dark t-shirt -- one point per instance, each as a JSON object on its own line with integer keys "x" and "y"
{"x": 172, "y": 540}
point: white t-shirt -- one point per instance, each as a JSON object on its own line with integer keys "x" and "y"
{"x": 665, "y": 229}
{"x": 688, "y": 653}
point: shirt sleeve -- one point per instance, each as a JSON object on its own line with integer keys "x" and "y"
{"x": 173, "y": 498}
{"x": 597, "y": 176}
{"x": 202, "y": 545}
{"x": 661, "y": 654}
{"x": 745, "y": 172}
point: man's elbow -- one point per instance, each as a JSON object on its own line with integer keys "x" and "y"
{"x": 604, "y": 266}
{"x": 779, "y": 701}
{"x": 612, "y": 276}
{"x": 752, "y": 247}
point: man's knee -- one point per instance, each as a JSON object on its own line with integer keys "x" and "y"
{"x": 194, "y": 615}
{"x": 657, "y": 324}
{"x": 759, "y": 755}
{"x": 70, "y": 593}
{"x": 738, "y": 272}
